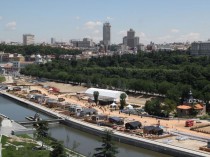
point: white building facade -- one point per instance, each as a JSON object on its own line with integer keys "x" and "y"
{"x": 28, "y": 39}
{"x": 200, "y": 48}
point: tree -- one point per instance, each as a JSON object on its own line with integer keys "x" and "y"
{"x": 95, "y": 95}
{"x": 58, "y": 150}
{"x": 123, "y": 96}
{"x": 153, "y": 107}
{"x": 107, "y": 149}
{"x": 41, "y": 130}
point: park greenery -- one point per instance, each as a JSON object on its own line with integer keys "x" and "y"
{"x": 168, "y": 74}
{"x": 39, "y": 49}
{"x": 2, "y": 79}
{"x": 20, "y": 148}
{"x": 122, "y": 100}
{"x": 58, "y": 150}
{"x": 96, "y": 95}
{"x": 41, "y": 131}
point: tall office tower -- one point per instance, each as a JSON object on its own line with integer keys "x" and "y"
{"x": 28, "y": 39}
{"x": 106, "y": 34}
{"x": 125, "y": 40}
{"x": 131, "y": 38}
{"x": 53, "y": 41}
{"x": 136, "y": 41}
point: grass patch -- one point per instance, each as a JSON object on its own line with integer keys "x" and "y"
{"x": 25, "y": 136}
{"x": 10, "y": 150}
{"x": 2, "y": 79}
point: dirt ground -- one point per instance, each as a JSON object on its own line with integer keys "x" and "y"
{"x": 68, "y": 88}
{"x": 171, "y": 125}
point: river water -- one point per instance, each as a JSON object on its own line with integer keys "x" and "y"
{"x": 72, "y": 138}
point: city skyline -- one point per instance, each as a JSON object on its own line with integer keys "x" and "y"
{"x": 157, "y": 21}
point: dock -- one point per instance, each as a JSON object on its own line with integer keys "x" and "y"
{"x": 51, "y": 121}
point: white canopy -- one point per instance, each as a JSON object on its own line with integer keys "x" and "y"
{"x": 113, "y": 104}
{"x": 105, "y": 94}
{"x": 129, "y": 107}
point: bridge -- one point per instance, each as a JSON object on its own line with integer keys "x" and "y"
{"x": 34, "y": 122}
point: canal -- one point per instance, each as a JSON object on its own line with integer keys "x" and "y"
{"x": 72, "y": 138}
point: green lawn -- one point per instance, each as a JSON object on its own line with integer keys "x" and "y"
{"x": 25, "y": 151}
{"x": 2, "y": 78}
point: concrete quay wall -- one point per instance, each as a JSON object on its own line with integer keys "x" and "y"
{"x": 135, "y": 141}
{"x": 118, "y": 136}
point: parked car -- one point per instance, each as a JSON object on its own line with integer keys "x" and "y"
{"x": 38, "y": 148}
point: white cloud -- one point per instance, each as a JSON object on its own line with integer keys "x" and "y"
{"x": 77, "y": 18}
{"x": 175, "y": 30}
{"x": 11, "y": 25}
{"x": 1, "y": 17}
{"x": 77, "y": 28}
{"x": 109, "y": 18}
{"x": 92, "y": 24}
{"x": 164, "y": 38}
{"x": 96, "y": 31}
{"x": 123, "y": 33}
{"x": 190, "y": 37}
{"x": 141, "y": 35}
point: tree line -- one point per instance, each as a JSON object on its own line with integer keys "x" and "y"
{"x": 37, "y": 49}
{"x": 170, "y": 74}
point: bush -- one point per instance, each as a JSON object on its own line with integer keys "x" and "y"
{"x": 206, "y": 116}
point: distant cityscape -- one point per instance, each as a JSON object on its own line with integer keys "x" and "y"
{"x": 130, "y": 44}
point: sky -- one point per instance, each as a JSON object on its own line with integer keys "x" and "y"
{"x": 153, "y": 20}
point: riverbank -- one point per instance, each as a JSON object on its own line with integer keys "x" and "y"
{"x": 118, "y": 136}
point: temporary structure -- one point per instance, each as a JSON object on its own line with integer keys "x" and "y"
{"x": 156, "y": 130}
{"x": 105, "y": 94}
{"x": 129, "y": 107}
{"x": 133, "y": 125}
{"x": 113, "y": 104}
{"x": 116, "y": 120}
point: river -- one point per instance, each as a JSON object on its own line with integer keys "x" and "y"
{"x": 72, "y": 138}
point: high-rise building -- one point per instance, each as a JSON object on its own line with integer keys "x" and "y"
{"x": 53, "y": 41}
{"x": 106, "y": 34}
{"x": 136, "y": 41}
{"x": 130, "y": 40}
{"x": 125, "y": 40}
{"x": 200, "y": 48}
{"x": 28, "y": 39}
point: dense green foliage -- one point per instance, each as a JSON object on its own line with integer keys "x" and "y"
{"x": 159, "y": 107}
{"x": 167, "y": 73}
{"x": 95, "y": 95}
{"x": 123, "y": 96}
{"x": 41, "y": 130}
{"x": 42, "y": 50}
{"x": 107, "y": 149}
{"x": 2, "y": 79}
{"x": 58, "y": 150}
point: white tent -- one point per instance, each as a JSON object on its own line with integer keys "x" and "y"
{"x": 129, "y": 107}
{"x": 105, "y": 94}
{"x": 113, "y": 104}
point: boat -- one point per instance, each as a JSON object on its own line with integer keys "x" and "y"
{"x": 30, "y": 118}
